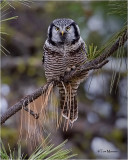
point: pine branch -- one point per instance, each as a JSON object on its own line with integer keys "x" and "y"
{"x": 96, "y": 63}
{"x": 24, "y": 102}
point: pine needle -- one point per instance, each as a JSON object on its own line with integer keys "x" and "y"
{"x": 49, "y": 152}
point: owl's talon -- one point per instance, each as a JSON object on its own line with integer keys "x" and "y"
{"x": 68, "y": 69}
{"x": 73, "y": 67}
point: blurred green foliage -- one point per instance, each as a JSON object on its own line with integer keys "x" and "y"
{"x": 48, "y": 152}
{"x": 100, "y": 114}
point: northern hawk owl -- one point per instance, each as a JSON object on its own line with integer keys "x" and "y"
{"x": 64, "y": 50}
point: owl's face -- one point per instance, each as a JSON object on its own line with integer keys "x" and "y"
{"x": 63, "y": 31}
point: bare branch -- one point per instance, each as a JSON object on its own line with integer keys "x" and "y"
{"x": 91, "y": 65}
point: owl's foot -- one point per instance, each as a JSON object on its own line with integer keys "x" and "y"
{"x": 68, "y": 69}
{"x": 73, "y": 67}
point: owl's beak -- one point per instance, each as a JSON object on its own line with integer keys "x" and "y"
{"x": 62, "y": 33}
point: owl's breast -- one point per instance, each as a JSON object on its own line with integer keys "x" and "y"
{"x": 76, "y": 57}
{"x": 54, "y": 65}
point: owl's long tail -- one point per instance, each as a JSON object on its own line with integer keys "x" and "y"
{"x": 68, "y": 100}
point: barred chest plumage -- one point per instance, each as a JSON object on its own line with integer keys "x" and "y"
{"x": 57, "y": 60}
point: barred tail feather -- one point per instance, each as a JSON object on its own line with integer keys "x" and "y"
{"x": 68, "y": 101}
{"x": 71, "y": 113}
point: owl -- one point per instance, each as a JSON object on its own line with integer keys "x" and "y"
{"x": 64, "y": 50}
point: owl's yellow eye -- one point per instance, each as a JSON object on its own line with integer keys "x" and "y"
{"x": 68, "y": 28}
{"x": 57, "y": 29}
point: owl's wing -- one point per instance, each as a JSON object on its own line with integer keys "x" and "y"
{"x": 43, "y": 59}
{"x": 44, "y": 53}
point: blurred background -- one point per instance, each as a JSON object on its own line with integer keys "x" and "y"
{"x": 102, "y": 122}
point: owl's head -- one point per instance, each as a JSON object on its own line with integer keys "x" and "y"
{"x": 63, "y": 31}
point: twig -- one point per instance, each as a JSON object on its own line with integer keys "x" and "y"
{"x": 24, "y": 102}
{"x": 35, "y": 115}
{"x": 91, "y": 65}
